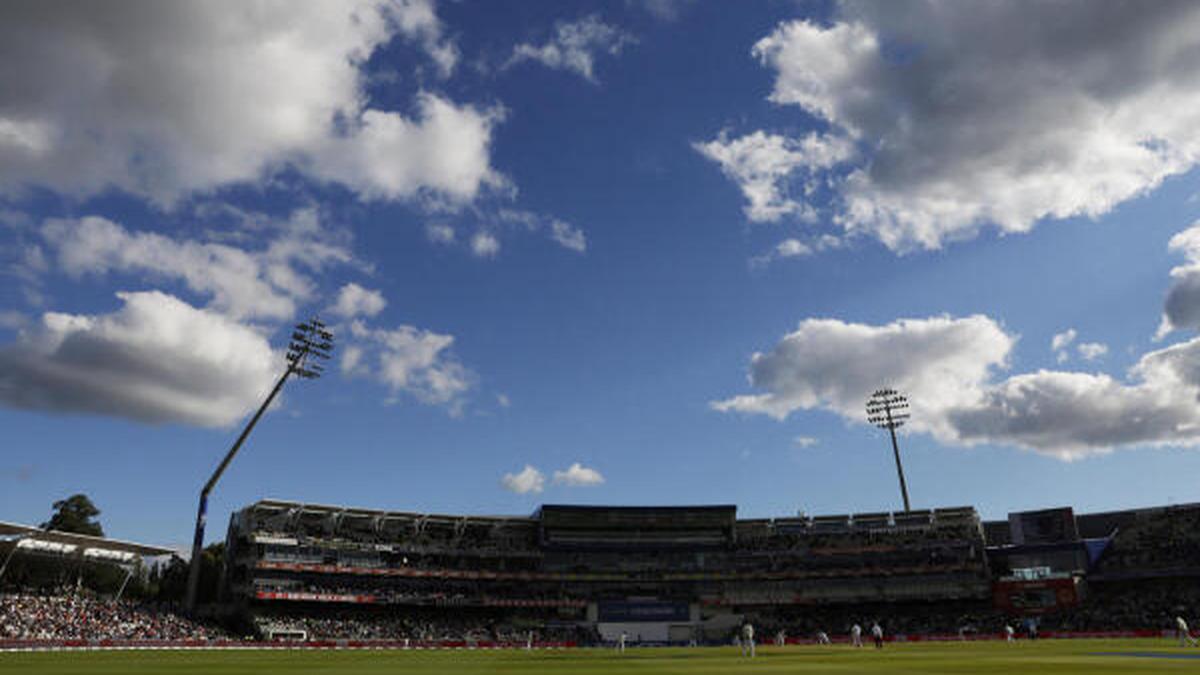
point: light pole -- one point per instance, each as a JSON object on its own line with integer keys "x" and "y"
{"x": 311, "y": 343}
{"x": 888, "y": 409}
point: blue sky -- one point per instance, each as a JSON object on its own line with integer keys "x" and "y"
{"x": 658, "y": 251}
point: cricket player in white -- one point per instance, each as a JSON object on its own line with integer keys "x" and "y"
{"x": 621, "y": 642}
{"x": 529, "y": 642}
{"x": 1009, "y": 633}
{"x": 1185, "y": 636}
{"x": 856, "y": 635}
{"x": 748, "y": 639}
{"x": 823, "y": 638}
{"x": 877, "y": 633}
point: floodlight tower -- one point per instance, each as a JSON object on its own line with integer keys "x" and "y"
{"x": 311, "y": 343}
{"x": 888, "y": 409}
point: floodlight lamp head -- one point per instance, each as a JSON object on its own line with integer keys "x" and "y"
{"x": 887, "y": 408}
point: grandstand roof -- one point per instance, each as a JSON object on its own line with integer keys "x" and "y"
{"x": 83, "y": 541}
{"x": 325, "y": 508}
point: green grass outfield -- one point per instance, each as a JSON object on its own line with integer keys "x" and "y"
{"x": 1022, "y": 658}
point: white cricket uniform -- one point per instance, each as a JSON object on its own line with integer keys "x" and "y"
{"x": 856, "y": 635}
{"x": 621, "y": 642}
{"x": 748, "y": 640}
{"x": 1185, "y": 636}
{"x": 1009, "y": 633}
{"x": 823, "y": 638}
{"x": 877, "y": 633}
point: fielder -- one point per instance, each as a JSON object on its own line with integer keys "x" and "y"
{"x": 748, "y": 639}
{"x": 856, "y": 635}
{"x": 1185, "y": 636}
{"x": 877, "y": 634}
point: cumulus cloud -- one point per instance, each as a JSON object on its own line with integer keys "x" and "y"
{"x": 1182, "y": 307}
{"x": 1090, "y": 351}
{"x": 561, "y": 232}
{"x": 950, "y": 369}
{"x": 266, "y": 283}
{"x": 439, "y": 233}
{"x": 667, "y": 10}
{"x": 792, "y": 248}
{"x": 567, "y": 236}
{"x": 764, "y": 166}
{"x": 578, "y": 475}
{"x": 166, "y": 99}
{"x": 408, "y": 360}
{"x": 485, "y": 244}
{"x": 528, "y": 480}
{"x": 354, "y": 300}
{"x": 832, "y": 364}
{"x": 1060, "y": 342}
{"x": 445, "y": 150}
{"x": 156, "y": 359}
{"x": 575, "y": 46}
{"x": 995, "y": 114}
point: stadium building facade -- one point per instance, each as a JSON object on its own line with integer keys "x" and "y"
{"x": 658, "y": 574}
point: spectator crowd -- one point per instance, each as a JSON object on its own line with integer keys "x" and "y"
{"x": 81, "y": 617}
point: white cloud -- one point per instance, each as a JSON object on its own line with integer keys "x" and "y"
{"x": 1182, "y": 306}
{"x": 528, "y": 480}
{"x": 831, "y": 364}
{"x": 667, "y": 10}
{"x": 763, "y": 165}
{"x": 168, "y": 99}
{"x": 804, "y": 441}
{"x": 446, "y": 150}
{"x": 410, "y": 360}
{"x": 563, "y": 233}
{"x": 949, "y": 367}
{"x": 12, "y": 319}
{"x": 1000, "y": 114}
{"x": 567, "y": 236}
{"x": 1060, "y": 342}
{"x": 1090, "y": 351}
{"x": 792, "y": 248}
{"x": 578, "y": 475}
{"x": 266, "y": 283}
{"x": 796, "y": 248}
{"x": 503, "y": 401}
{"x": 485, "y": 244}
{"x": 439, "y": 233}
{"x": 575, "y": 46}
{"x": 354, "y": 300}
{"x": 156, "y": 359}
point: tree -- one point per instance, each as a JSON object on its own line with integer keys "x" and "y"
{"x": 75, "y": 514}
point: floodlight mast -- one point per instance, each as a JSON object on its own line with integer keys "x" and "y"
{"x": 888, "y": 409}
{"x": 311, "y": 343}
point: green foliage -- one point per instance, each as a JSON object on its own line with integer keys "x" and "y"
{"x": 75, "y": 514}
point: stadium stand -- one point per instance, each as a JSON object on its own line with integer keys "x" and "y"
{"x": 670, "y": 573}
{"x": 74, "y": 616}
{"x": 584, "y": 575}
